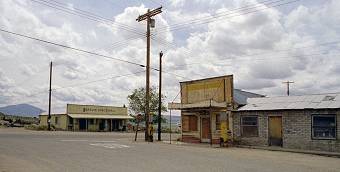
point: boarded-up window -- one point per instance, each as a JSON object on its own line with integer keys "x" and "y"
{"x": 185, "y": 123}
{"x": 193, "y": 123}
{"x": 189, "y": 123}
{"x": 249, "y": 126}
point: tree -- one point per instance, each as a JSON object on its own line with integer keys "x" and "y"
{"x": 137, "y": 103}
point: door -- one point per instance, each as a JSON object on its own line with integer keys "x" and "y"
{"x": 205, "y": 130}
{"x": 275, "y": 131}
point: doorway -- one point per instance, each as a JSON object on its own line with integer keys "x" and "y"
{"x": 275, "y": 130}
{"x": 205, "y": 130}
{"x": 101, "y": 125}
{"x": 82, "y": 124}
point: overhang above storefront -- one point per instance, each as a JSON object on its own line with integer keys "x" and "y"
{"x": 95, "y": 116}
{"x": 203, "y": 104}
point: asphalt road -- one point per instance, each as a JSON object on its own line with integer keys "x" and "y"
{"x": 22, "y": 150}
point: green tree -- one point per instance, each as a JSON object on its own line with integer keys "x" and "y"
{"x": 137, "y": 103}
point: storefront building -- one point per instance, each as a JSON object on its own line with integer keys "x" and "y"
{"x": 206, "y": 106}
{"x": 89, "y": 118}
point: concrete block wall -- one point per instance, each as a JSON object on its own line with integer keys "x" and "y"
{"x": 261, "y": 140}
{"x": 296, "y": 130}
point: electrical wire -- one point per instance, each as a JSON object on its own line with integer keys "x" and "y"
{"x": 72, "y": 48}
{"x": 190, "y": 24}
{"x": 98, "y": 80}
{"x": 87, "y": 15}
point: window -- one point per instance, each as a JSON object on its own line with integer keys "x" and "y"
{"x": 218, "y": 121}
{"x": 249, "y": 126}
{"x": 189, "y": 123}
{"x": 91, "y": 121}
{"x": 324, "y": 127}
{"x": 193, "y": 123}
{"x": 56, "y": 120}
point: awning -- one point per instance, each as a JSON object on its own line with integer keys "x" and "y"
{"x": 203, "y": 104}
{"x": 94, "y": 116}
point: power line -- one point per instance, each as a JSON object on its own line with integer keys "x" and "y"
{"x": 225, "y": 16}
{"x": 87, "y": 15}
{"x": 217, "y": 14}
{"x": 84, "y": 51}
{"x": 98, "y": 80}
{"x": 72, "y": 48}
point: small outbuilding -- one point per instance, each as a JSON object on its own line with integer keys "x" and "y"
{"x": 89, "y": 118}
{"x": 309, "y": 122}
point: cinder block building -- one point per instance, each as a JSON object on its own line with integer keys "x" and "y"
{"x": 89, "y": 118}
{"x": 309, "y": 122}
{"x": 206, "y": 105}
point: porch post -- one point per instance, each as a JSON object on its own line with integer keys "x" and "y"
{"x": 210, "y": 118}
{"x": 86, "y": 125}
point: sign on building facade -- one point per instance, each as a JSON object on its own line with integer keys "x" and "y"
{"x": 92, "y": 109}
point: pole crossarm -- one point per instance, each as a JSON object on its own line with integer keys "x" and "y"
{"x": 149, "y": 14}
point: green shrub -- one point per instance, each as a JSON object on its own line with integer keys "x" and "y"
{"x": 36, "y": 127}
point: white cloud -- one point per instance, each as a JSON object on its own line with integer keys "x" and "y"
{"x": 226, "y": 46}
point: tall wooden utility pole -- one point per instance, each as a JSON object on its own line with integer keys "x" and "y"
{"x": 288, "y": 84}
{"x": 49, "y": 100}
{"x": 160, "y": 98}
{"x": 149, "y": 22}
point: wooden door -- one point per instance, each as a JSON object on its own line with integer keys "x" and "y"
{"x": 205, "y": 128}
{"x": 275, "y": 130}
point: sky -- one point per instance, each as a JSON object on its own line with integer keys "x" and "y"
{"x": 262, "y": 43}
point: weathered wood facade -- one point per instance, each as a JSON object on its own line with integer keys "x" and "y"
{"x": 205, "y": 107}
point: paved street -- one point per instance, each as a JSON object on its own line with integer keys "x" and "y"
{"x": 22, "y": 150}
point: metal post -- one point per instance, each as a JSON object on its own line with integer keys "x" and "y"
{"x": 160, "y": 98}
{"x": 170, "y": 126}
{"x": 49, "y": 100}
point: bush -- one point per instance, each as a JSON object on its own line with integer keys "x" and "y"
{"x": 37, "y": 127}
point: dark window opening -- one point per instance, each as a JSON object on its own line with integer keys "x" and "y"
{"x": 249, "y": 126}
{"x": 324, "y": 127}
{"x": 91, "y": 121}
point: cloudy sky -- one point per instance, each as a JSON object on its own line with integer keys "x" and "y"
{"x": 262, "y": 43}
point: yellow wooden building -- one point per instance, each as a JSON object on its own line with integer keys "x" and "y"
{"x": 206, "y": 106}
{"x": 89, "y": 118}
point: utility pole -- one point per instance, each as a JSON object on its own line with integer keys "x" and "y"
{"x": 49, "y": 100}
{"x": 149, "y": 23}
{"x": 160, "y": 97}
{"x": 288, "y": 84}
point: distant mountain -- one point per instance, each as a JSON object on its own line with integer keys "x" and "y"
{"x": 21, "y": 110}
{"x": 174, "y": 119}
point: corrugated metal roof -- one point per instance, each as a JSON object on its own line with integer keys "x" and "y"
{"x": 317, "y": 101}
